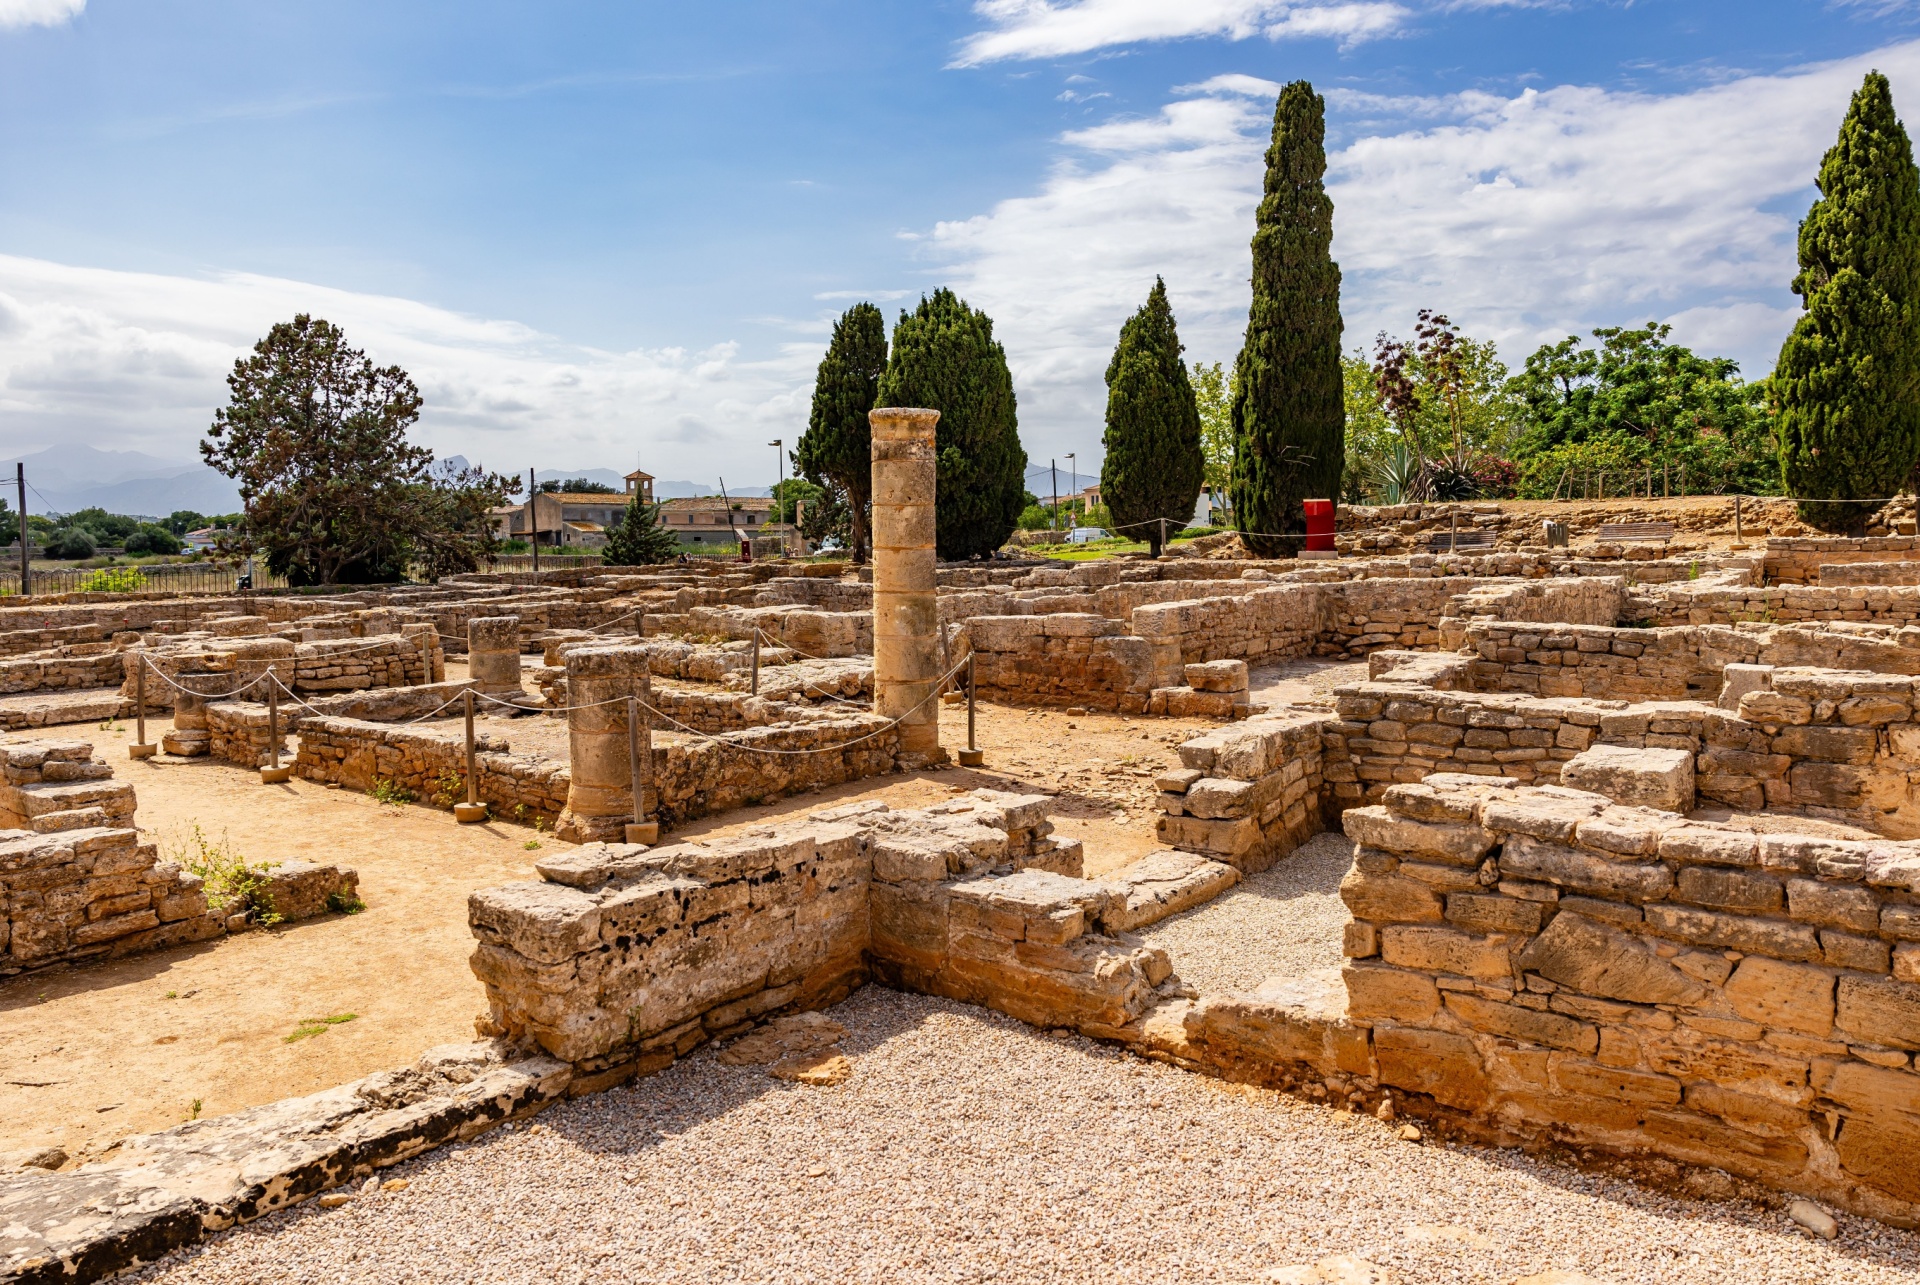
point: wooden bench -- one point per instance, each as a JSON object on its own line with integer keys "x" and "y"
{"x": 1459, "y": 538}
{"x": 1662, "y": 531}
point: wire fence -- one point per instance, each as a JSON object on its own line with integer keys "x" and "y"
{"x": 166, "y": 577}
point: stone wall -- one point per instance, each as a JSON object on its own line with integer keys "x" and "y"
{"x": 1551, "y": 964}
{"x": 429, "y": 764}
{"x": 1582, "y": 600}
{"x": 50, "y": 786}
{"x": 81, "y": 665}
{"x": 1714, "y": 604}
{"x": 237, "y": 732}
{"x": 1247, "y": 794}
{"x": 1802, "y": 560}
{"x": 1069, "y": 659}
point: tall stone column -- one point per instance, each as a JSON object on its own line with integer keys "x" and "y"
{"x": 600, "y": 798}
{"x": 906, "y": 613}
{"x": 493, "y": 653}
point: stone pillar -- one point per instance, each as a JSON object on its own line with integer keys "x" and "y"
{"x": 906, "y": 615}
{"x": 493, "y": 653}
{"x": 600, "y": 798}
{"x": 190, "y": 734}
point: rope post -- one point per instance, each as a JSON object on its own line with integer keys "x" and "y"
{"x": 640, "y": 830}
{"x": 273, "y": 773}
{"x": 472, "y": 811}
{"x": 973, "y": 755}
{"x": 1453, "y": 525}
{"x": 1739, "y": 540}
{"x": 640, "y": 623}
{"x": 756, "y": 661}
{"x": 141, "y": 748}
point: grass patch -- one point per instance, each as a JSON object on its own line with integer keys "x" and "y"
{"x": 312, "y": 1026}
{"x": 231, "y": 882}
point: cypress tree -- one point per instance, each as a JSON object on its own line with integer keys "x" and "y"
{"x": 639, "y": 539}
{"x": 837, "y": 448}
{"x": 1154, "y": 466}
{"x": 1847, "y": 385}
{"x": 946, "y": 359}
{"x": 1289, "y": 413}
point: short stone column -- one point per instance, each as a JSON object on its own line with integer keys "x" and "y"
{"x": 600, "y": 797}
{"x": 906, "y": 613}
{"x": 191, "y": 734}
{"x": 493, "y": 653}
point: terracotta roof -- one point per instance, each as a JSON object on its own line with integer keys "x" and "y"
{"x": 638, "y": 476}
{"x": 588, "y": 497}
{"x": 703, "y": 503}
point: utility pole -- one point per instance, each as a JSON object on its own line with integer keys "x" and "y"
{"x": 1054, "y": 467}
{"x": 1073, "y": 493}
{"x": 20, "y": 481}
{"x": 533, "y": 519}
{"x": 779, "y": 501}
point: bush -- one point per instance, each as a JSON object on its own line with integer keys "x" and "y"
{"x": 72, "y": 545}
{"x": 148, "y": 539}
{"x": 114, "y": 580}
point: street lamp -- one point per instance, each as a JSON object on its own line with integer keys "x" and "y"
{"x": 1073, "y": 492}
{"x": 780, "y": 462}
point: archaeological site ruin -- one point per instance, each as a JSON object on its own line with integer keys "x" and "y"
{"x": 1631, "y": 844}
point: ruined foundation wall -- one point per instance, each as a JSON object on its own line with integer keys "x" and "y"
{"x": 1247, "y": 794}
{"x": 1552, "y": 964}
{"x": 60, "y": 673}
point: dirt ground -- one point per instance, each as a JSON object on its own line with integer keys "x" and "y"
{"x": 97, "y": 1052}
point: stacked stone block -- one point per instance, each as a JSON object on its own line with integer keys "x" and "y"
{"x": 1549, "y": 962}
{"x": 50, "y": 786}
{"x": 1069, "y": 659}
{"x": 1248, "y": 794}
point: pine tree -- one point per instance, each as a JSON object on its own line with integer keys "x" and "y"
{"x": 1289, "y": 415}
{"x": 1154, "y": 467}
{"x": 837, "y": 447}
{"x": 639, "y": 538}
{"x": 945, "y": 358}
{"x": 1847, "y": 385}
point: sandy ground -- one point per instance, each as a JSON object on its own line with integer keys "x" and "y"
{"x": 94, "y": 1053}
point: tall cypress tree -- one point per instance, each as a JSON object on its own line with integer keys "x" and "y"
{"x": 1154, "y": 466}
{"x": 1289, "y": 413}
{"x": 1847, "y": 385}
{"x": 837, "y": 447}
{"x": 945, "y": 358}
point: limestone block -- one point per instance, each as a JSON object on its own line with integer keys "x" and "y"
{"x": 1730, "y": 890}
{"x": 1738, "y": 680}
{"x": 1833, "y": 905}
{"x": 1378, "y": 827}
{"x": 1379, "y": 991}
{"x": 1596, "y": 959}
{"x": 1445, "y": 950}
{"x": 1877, "y": 1010}
{"x": 1162, "y": 884}
{"x": 1444, "y": 1066}
{"x": 1655, "y": 778}
{"x": 1514, "y": 1022}
{"x": 1775, "y": 708}
{"x": 296, "y": 890}
{"x": 1390, "y": 898}
{"x": 1218, "y": 676}
{"x": 1526, "y": 857}
{"x": 1792, "y": 997}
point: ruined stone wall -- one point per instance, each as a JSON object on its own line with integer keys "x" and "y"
{"x": 1584, "y": 600}
{"x": 1552, "y": 964}
{"x": 85, "y": 665}
{"x": 237, "y": 732}
{"x": 1800, "y": 561}
{"x": 1247, "y": 794}
{"x": 694, "y": 779}
{"x": 1067, "y": 659}
{"x": 1687, "y": 603}
{"x": 49, "y": 786}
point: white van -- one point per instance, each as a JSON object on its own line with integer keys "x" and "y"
{"x": 1082, "y": 534}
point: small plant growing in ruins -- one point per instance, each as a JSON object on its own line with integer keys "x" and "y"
{"x": 312, "y": 1026}
{"x": 193, "y": 1109}
{"x": 230, "y": 881}
{"x": 449, "y": 788}
{"x": 531, "y": 844}
{"x": 1693, "y": 571}
{"x": 172, "y": 995}
{"x": 390, "y": 792}
{"x": 344, "y": 903}
{"x": 113, "y": 725}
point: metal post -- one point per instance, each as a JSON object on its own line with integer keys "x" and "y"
{"x": 1453, "y": 525}
{"x": 140, "y": 749}
{"x": 533, "y": 519}
{"x": 273, "y": 773}
{"x": 640, "y": 764}
{"x": 1163, "y": 535}
{"x": 472, "y": 810}
{"x": 639, "y": 622}
{"x": 972, "y": 755}
{"x": 26, "y": 576}
{"x": 756, "y": 660}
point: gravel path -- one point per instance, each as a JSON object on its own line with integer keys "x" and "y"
{"x": 1286, "y": 919}
{"x": 968, "y": 1147}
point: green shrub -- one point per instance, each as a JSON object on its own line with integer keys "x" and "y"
{"x": 114, "y": 580}
{"x": 72, "y": 545}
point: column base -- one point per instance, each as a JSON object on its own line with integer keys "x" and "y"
{"x": 916, "y": 760}
{"x": 647, "y": 832}
{"x": 275, "y": 775}
{"x": 469, "y": 813}
{"x": 972, "y": 758}
{"x": 574, "y": 828}
{"x": 140, "y": 751}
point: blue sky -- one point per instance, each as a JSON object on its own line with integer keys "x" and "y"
{"x": 608, "y": 234}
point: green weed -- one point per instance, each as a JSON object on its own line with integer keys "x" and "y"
{"x": 345, "y": 903}
{"x": 312, "y": 1026}
{"x": 193, "y": 1109}
{"x": 531, "y": 844}
{"x": 229, "y": 879}
{"x": 390, "y": 792}
{"x": 448, "y": 789}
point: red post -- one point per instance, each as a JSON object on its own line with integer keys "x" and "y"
{"x": 1319, "y": 525}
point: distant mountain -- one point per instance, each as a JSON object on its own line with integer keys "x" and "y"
{"x": 74, "y": 476}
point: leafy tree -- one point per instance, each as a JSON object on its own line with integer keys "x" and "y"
{"x": 576, "y": 486}
{"x": 794, "y": 492}
{"x": 72, "y": 544}
{"x": 1154, "y": 466}
{"x": 1213, "y": 395}
{"x": 640, "y": 538}
{"x": 1638, "y": 402}
{"x": 150, "y": 538}
{"x": 316, "y": 436}
{"x": 104, "y": 527}
{"x": 836, "y": 451}
{"x": 184, "y": 520}
{"x": 945, "y": 358}
{"x": 828, "y": 517}
{"x": 1426, "y": 420}
{"x": 1288, "y": 418}
{"x": 1847, "y": 384}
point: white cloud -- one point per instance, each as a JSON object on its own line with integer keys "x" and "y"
{"x": 125, "y": 360}
{"x": 1051, "y": 28}
{"x": 1525, "y": 218}
{"x": 38, "y": 13}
